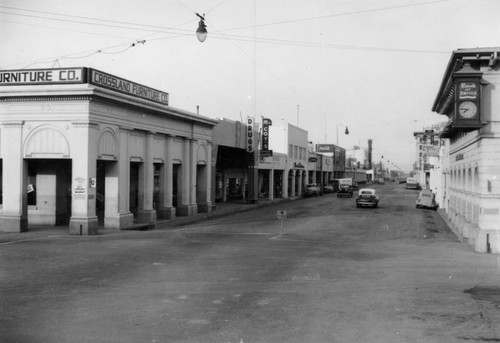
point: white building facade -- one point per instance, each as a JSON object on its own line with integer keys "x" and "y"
{"x": 470, "y": 96}
{"x": 87, "y": 149}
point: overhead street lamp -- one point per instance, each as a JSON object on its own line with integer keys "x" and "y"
{"x": 346, "y": 132}
{"x": 201, "y": 32}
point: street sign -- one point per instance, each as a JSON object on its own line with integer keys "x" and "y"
{"x": 281, "y": 214}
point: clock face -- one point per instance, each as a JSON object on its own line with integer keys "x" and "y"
{"x": 467, "y": 109}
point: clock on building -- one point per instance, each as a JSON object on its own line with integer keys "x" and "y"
{"x": 467, "y": 109}
{"x": 467, "y": 93}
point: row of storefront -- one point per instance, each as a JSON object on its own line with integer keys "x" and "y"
{"x": 90, "y": 150}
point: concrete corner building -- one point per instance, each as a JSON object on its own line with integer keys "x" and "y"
{"x": 87, "y": 149}
{"x": 470, "y": 96}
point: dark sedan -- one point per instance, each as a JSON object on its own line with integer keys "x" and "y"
{"x": 367, "y": 197}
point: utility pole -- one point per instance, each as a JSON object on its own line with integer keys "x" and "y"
{"x": 297, "y": 115}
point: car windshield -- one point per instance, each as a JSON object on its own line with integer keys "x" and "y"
{"x": 365, "y": 192}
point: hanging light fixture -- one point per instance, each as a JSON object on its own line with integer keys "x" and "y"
{"x": 201, "y": 32}
{"x": 346, "y": 130}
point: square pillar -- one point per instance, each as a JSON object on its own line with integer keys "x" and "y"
{"x": 185, "y": 207}
{"x": 14, "y": 217}
{"x": 146, "y": 212}
{"x": 83, "y": 219}
{"x": 271, "y": 184}
{"x": 205, "y": 184}
{"x": 166, "y": 209}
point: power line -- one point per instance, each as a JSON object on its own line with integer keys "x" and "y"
{"x": 337, "y": 15}
{"x": 150, "y": 28}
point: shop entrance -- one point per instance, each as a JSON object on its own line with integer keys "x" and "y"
{"x": 49, "y": 191}
{"x": 134, "y": 187}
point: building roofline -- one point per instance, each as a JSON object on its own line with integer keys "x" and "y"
{"x": 442, "y": 98}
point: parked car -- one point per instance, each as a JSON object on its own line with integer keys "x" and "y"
{"x": 380, "y": 181}
{"x": 427, "y": 199}
{"x": 367, "y": 197}
{"x": 328, "y": 189}
{"x": 344, "y": 191}
{"x": 312, "y": 189}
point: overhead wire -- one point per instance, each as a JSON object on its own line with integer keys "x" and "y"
{"x": 179, "y": 32}
{"x": 338, "y": 15}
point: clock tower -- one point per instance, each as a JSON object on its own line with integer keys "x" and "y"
{"x": 467, "y": 110}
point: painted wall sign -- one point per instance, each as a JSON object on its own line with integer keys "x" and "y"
{"x": 105, "y": 80}
{"x": 81, "y": 75}
{"x": 42, "y": 76}
{"x": 325, "y": 148}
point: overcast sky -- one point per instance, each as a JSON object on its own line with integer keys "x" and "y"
{"x": 371, "y": 65}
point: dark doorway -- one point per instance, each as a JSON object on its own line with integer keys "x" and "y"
{"x": 134, "y": 187}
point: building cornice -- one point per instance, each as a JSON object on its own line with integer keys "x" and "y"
{"x": 445, "y": 96}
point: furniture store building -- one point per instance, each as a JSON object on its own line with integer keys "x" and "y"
{"x": 87, "y": 149}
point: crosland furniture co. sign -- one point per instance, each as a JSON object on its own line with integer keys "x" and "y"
{"x": 41, "y": 76}
{"x": 80, "y": 75}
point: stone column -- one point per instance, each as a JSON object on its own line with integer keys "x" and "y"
{"x": 126, "y": 216}
{"x": 167, "y": 211}
{"x": 204, "y": 185}
{"x": 83, "y": 219}
{"x": 285, "y": 184}
{"x": 193, "y": 201}
{"x": 183, "y": 208}
{"x": 271, "y": 184}
{"x": 14, "y": 216}
{"x": 146, "y": 213}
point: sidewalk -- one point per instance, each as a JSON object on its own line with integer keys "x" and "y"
{"x": 221, "y": 209}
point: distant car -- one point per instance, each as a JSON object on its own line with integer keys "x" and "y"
{"x": 402, "y": 180}
{"x": 427, "y": 199}
{"x": 412, "y": 183}
{"x": 355, "y": 186}
{"x": 344, "y": 191}
{"x": 381, "y": 181}
{"x": 312, "y": 189}
{"x": 367, "y": 197}
{"x": 328, "y": 189}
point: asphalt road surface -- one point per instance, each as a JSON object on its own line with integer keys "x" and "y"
{"x": 329, "y": 272}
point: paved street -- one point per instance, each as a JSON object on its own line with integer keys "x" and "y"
{"x": 336, "y": 273}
